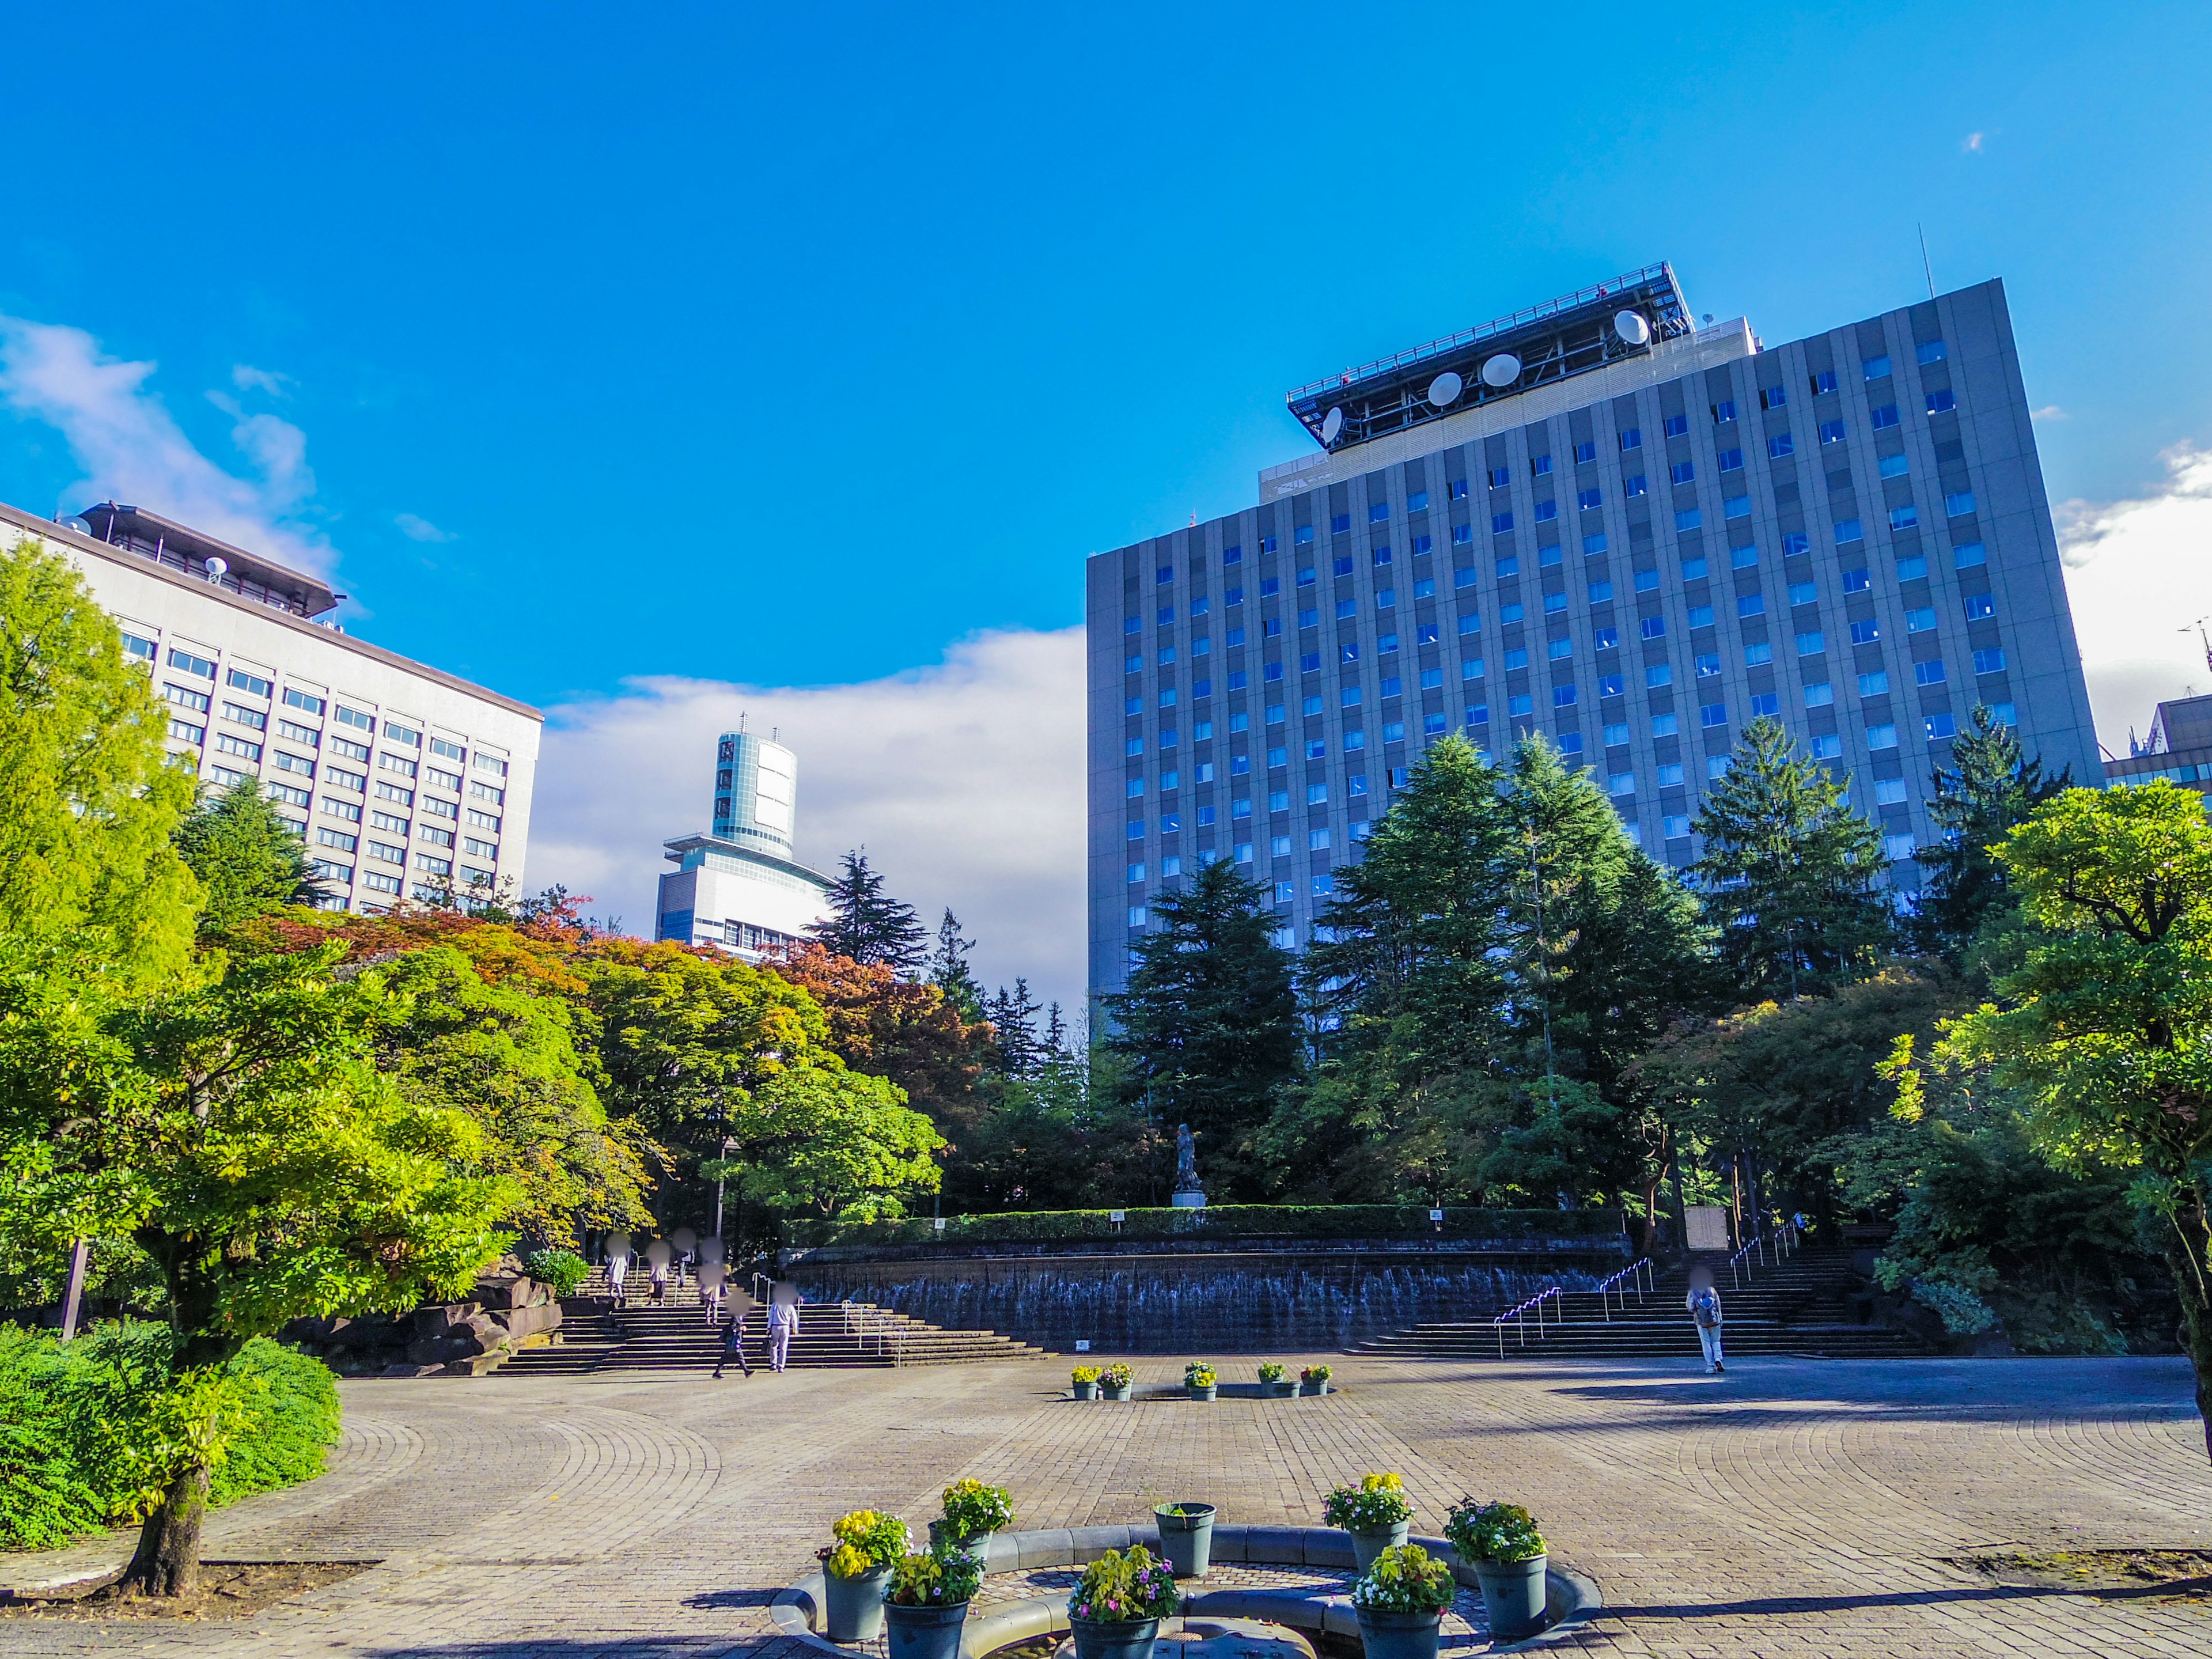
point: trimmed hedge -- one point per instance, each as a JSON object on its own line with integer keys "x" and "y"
{"x": 1218, "y": 1221}
{"x": 61, "y": 1405}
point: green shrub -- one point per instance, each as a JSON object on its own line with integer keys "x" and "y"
{"x": 563, "y": 1269}
{"x": 1218, "y": 1221}
{"x": 70, "y": 1417}
{"x": 1503, "y": 1533}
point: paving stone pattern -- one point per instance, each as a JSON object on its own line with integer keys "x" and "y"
{"x": 1789, "y": 1507}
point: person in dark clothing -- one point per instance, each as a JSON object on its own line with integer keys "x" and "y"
{"x": 733, "y": 1345}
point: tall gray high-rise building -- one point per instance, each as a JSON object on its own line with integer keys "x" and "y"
{"x": 1598, "y": 519}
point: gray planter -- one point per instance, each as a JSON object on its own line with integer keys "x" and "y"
{"x": 1276, "y": 1388}
{"x": 1206, "y": 1392}
{"x": 854, "y": 1609}
{"x": 1320, "y": 1387}
{"x": 975, "y": 1543}
{"x": 1109, "y": 1391}
{"x": 1186, "y": 1540}
{"x": 1512, "y": 1595}
{"x": 1398, "y": 1635}
{"x": 1366, "y": 1546}
{"x": 924, "y": 1633}
{"x": 1130, "y": 1638}
{"x": 1085, "y": 1390}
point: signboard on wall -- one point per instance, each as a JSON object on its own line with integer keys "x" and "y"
{"x": 1708, "y": 1226}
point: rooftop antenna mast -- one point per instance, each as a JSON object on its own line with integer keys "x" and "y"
{"x": 1924, "y": 265}
{"x": 2202, "y": 638}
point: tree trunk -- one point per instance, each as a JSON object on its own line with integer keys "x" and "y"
{"x": 2187, "y": 1252}
{"x": 168, "y": 1562}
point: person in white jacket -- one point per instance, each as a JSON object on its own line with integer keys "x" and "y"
{"x": 782, "y": 1320}
{"x": 1704, "y": 1303}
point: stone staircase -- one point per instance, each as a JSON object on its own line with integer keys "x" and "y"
{"x": 1802, "y": 1306}
{"x": 597, "y": 1336}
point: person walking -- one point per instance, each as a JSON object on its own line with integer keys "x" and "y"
{"x": 710, "y": 1294}
{"x": 1704, "y": 1303}
{"x": 660, "y": 1270}
{"x": 782, "y": 1320}
{"x": 617, "y": 1270}
{"x": 733, "y": 1345}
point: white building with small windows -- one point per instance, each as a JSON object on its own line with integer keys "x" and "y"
{"x": 405, "y": 782}
{"x": 740, "y": 889}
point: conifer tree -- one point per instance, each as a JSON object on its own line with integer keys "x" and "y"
{"x": 1791, "y": 873}
{"x": 247, "y": 858}
{"x": 1995, "y": 788}
{"x": 1013, "y": 1018}
{"x": 1207, "y": 1030}
{"x": 949, "y": 970}
{"x": 866, "y": 923}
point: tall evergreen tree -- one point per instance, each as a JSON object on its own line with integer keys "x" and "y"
{"x": 1013, "y": 1018}
{"x": 247, "y": 858}
{"x": 1208, "y": 1027}
{"x": 868, "y": 925}
{"x": 87, "y": 798}
{"x": 1791, "y": 873}
{"x": 1975, "y": 807}
{"x": 949, "y": 970}
{"x": 1055, "y": 1032}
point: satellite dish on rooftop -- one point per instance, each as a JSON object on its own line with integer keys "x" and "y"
{"x": 216, "y": 566}
{"x": 1331, "y": 424}
{"x": 1502, "y": 370}
{"x": 1631, "y": 327}
{"x": 1444, "y": 390}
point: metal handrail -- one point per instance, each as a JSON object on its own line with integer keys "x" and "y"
{"x": 1784, "y": 1242}
{"x": 1520, "y": 1316}
{"x": 1641, "y": 1271}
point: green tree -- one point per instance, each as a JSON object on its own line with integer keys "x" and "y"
{"x": 866, "y": 923}
{"x": 1013, "y": 1015}
{"x": 88, "y": 800}
{"x": 248, "y": 861}
{"x": 240, "y": 1132}
{"x": 1791, "y": 873}
{"x": 949, "y": 970}
{"x": 1995, "y": 788}
{"x": 831, "y": 1142}
{"x": 1206, "y": 1030}
{"x": 2106, "y": 1030}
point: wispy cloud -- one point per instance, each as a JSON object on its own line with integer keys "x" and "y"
{"x": 246, "y": 378}
{"x": 418, "y": 529}
{"x": 2048, "y": 412}
{"x": 965, "y": 781}
{"x": 132, "y": 450}
{"x": 2136, "y": 578}
{"x": 1972, "y": 143}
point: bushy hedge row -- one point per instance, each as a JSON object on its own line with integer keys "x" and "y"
{"x": 1218, "y": 1221}
{"x": 66, "y": 1411}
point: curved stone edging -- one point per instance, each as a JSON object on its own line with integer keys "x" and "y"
{"x": 1569, "y": 1597}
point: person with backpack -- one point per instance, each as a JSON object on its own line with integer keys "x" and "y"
{"x": 1704, "y": 1303}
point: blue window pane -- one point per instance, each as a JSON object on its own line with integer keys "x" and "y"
{"x": 1647, "y": 582}
{"x": 1659, "y": 673}
{"x": 1750, "y": 604}
{"x": 1874, "y": 367}
{"x": 1713, "y": 713}
{"x": 1632, "y": 437}
{"x": 1635, "y": 484}
{"x": 1942, "y": 402}
{"x": 1833, "y": 432}
{"x": 1339, "y": 523}
{"x": 1811, "y": 643}
{"x": 1883, "y": 418}
{"x": 1930, "y": 351}
{"x": 1546, "y": 511}
{"x": 1991, "y": 661}
{"x": 1688, "y": 518}
{"x": 1779, "y": 444}
{"x": 1979, "y": 606}
{"x": 1683, "y": 472}
{"x": 1724, "y": 410}
{"x": 1675, "y": 426}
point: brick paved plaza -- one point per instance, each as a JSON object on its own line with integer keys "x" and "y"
{"x": 1789, "y": 1507}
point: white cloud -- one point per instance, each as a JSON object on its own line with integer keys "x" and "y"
{"x": 2138, "y": 580}
{"x": 965, "y": 781}
{"x": 246, "y": 378}
{"x": 416, "y": 528}
{"x": 2048, "y": 412}
{"x": 1972, "y": 143}
{"x": 132, "y": 450}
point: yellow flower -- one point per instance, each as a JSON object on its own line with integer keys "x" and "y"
{"x": 1381, "y": 1483}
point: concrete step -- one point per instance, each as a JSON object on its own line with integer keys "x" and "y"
{"x": 829, "y": 1336}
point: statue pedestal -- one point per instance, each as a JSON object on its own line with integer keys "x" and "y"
{"x": 1193, "y": 1200}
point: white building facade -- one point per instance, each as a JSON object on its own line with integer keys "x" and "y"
{"x": 405, "y": 782}
{"x": 741, "y": 889}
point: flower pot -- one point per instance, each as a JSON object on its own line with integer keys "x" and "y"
{"x": 1366, "y": 1546}
{"x": 1085, "y": 1390}
{"x": 1186, "y": 1540}
{"x": 855, "y": 1609}
{"x": 975, "y": 1543}
{"x": 1281, "y": 1388}
{"x": 1398, "y": 1635}
{"x": 1512, "y": 1596}
{"x": 924, "y": 1633}
{"x": 1320, "y": 1386}
{"x": 1206, "y": 1392}
{"x": 1114, "y": 1391}
{"x": 1127, "y": 1639}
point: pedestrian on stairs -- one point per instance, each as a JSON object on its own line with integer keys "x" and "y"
{"x": 1704, "y": 1303}
{"x": 659, "y": 1272}
{"x": 617, "y": 1270}
{"x": 782, "y": 1320}
{"x": 733, "y": 1345}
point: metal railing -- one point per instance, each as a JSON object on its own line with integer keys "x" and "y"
{"x": 1638, "y": 1273}
{"x": 1781, "y": 1242}
{"x": 1520, "y": 1317}
{"x": 864, "y": 1322}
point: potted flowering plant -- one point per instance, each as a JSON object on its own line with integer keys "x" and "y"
{"x": 973, "y": 1511}
{"x": 1509, "y": 1555}
{"x": 1186, "y": 1537}
{"x": 1198, "y": 1377}
{"x": 1400, "y": 1602}
{"x": 1085, "y": 1381}
{"x": 1114, "y": 1383}
{"x": 1272, "y": 1382}
{"x": 1115, "y": 1611}
{"x": 928, "y": 1604}
{"x": 1376, "y": 1512}
{"x": 855, "y": 1569}
{"x": 1314, "y": 1379}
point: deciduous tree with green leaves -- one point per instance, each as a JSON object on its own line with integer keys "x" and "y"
{"x": 2105, "y": 1031}
{"x": 238, "y": 1130}
{"x": 87, "y": 800}
{"x": 1791, "y": 873}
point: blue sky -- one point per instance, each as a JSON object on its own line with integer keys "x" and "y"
{"x": 789, "y": 347}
